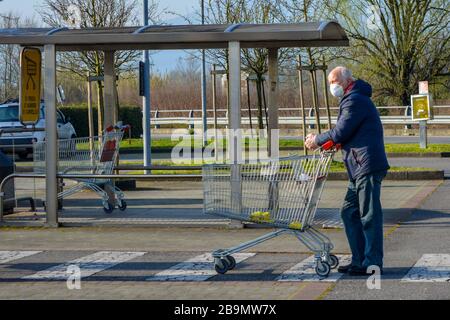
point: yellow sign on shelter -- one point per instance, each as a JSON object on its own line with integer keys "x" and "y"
{"x": 30, "y": 85}
{"x": 420, "y": 104}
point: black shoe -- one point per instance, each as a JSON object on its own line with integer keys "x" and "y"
{"x": 357, "y": 271}
{"x": 344, "y": 268}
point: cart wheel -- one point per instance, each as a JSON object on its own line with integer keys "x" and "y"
{"x": 108, "y": 207}
{"x": 231, "y": 262}
{"x": 323, "y": 269}
{"x": 221, "y": 266}
{"x": 122, "y": 206}
{"x": 334, "y": 261}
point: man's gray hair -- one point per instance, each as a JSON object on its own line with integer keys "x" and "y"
{"x": 345, "y": 73}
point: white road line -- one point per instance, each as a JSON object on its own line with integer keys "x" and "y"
{"x": 88, "y": 265}
{"x": 199, "y": 268}
{"x": 305, "y": 271}
{"x": 8, "y": 256}
{"x": 430, "y": 268}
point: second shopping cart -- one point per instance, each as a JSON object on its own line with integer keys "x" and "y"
{"x": 88, "y": 155}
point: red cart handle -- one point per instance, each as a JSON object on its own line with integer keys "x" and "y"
{"x": 330, "y": 144}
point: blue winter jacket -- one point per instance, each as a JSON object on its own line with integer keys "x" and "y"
{"x": 360, "y": 132}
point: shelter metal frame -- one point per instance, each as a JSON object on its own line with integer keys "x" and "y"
{"x": 232, "y": 37}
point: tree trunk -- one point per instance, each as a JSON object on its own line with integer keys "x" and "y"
{"x": 406, "y": 99}
{"x": 259, "y": 103}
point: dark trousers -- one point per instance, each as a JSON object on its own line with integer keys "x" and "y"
{"x": 363, "y": 220}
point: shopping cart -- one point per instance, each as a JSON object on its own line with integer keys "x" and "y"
{"x": 88, "y": 155}
{"x": 282, "y": 193}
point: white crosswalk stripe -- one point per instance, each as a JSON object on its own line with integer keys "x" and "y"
{"x": 8, "y": 256}
{"x": 430, "y": 268}
{"x": 199, "y": 268}
{"x": 305, "y": 271}
{"x": 88, "y": 265}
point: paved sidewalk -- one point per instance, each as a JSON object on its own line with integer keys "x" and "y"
{"x": 180, "y": 203}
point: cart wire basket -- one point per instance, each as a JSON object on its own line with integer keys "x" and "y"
{"x": 87, "y": 155}
{"x": 282, "y": 193}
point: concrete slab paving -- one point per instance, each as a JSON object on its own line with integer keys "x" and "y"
{"x": 180, "y": 203}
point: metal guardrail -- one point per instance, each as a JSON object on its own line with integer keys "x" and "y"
{"x": 190, "y": 120}
{"x": 284, "y": 109}
{"x": 400, "y": 120}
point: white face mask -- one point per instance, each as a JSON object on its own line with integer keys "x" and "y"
{"x": 336, "y": 90}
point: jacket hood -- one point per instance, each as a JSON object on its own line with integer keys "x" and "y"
{"x": 362, "y": 87}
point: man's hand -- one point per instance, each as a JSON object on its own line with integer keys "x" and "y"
{"x": 310, "y": 142}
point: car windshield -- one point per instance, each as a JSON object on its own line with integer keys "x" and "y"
{"x": 9, "y": 113}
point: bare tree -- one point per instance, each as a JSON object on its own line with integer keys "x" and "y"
{"x": 97, "y": 14}
{"x": 254, "y": 61}
{"x": 398, "y": 42}
{"x": 9, "y": 55}
{"x": 299, "y": 11}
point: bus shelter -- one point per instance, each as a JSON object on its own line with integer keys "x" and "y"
{"x": 233, "y": 37}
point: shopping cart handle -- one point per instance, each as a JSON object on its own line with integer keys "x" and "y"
{"x": 330, "y": 144}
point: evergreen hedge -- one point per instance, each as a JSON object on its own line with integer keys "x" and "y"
{"x": 131, "y": 115}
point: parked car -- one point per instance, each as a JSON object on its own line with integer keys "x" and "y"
{"x": 22, "y": 143}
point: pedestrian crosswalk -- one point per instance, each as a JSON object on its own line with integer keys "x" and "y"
{"x": 430, "y": 268}
{"x": 305, "y": 271}
{"x": 35, "y": 266}
{"x": 88, "y": 265}
{"x": 8, "y": 256}
{"x": 198, "y": 268}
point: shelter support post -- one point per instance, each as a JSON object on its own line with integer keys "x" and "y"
{"x": 302, "y": 101}
{"x": 234, "y": 132}
{"x": 146, "y": 114}
{"x": 109, "y": 113}
{"x": 110, "y": 92}
{"x": 234, "y": 150}
{"x": 51, "y": 196}
{"x": 273, "y": 129}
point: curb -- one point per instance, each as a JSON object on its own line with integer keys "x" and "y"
{"x": 397, "y": 175}
{"x": 334, "y": 176}
{"x": 418, "y": 154}
{"x": 139, "y": 151}
{"x": 342, "y": 176}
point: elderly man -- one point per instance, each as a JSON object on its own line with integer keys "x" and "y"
{"x": 360, "y": 133}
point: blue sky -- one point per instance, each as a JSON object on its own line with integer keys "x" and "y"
{"x": 163, "y": 61}
{"x": 28, "y": 7}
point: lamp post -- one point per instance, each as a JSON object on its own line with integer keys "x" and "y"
{"x": 203, "y": 88}
{"x": 146, "y": 127}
